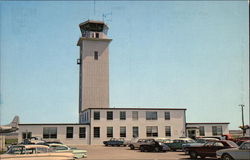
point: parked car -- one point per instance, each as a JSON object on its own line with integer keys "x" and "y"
{"x": 177, "y": 143}
{"x": 61, "y": 148}
{"x": 154, "y": 146}
{"x": 32, "y": 140}
{"x": 136, "y": 145}
{"x": 198, "y": 142}
{"x": 35, "y": 152}
{"x": 242, "y": 152}
{"x": 115, "y": 142}
{"x": 209, "y": 149}
{"x": 164, "y": 140}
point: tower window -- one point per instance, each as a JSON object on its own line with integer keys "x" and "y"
{"x": 96, "y": 55}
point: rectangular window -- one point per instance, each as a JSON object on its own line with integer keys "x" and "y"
{"x": 69, "y": 132}
{"x": 96, "y": 115}
{"x": 96, "y": 35}
{"x": 96, "y": 132}
{"x": 167, "y": 115}
{"x": 202, "y": 130}
{"x": 168, "y": 131}
{"x": 26, "y": 135}
{"x": 152, "y": 131}
{"x": 122, "y": 131}
{"x": 122, "y": 115}
{"x": 217, "y": 130}
{"x": 82, "y": 132}
{"x": 96, "y": 55}
{"x": 49, "y": 132}
{"x": 135, "y": 115}
{"x": 135, "y": 132}
{"x": 151, "y": 115}
{"x": 109, "y": 131}
{"x": 109, "y": 115}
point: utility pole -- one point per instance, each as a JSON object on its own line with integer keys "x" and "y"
{"x": 242, "y": 115}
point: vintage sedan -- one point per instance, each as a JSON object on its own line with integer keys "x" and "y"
{"x": 198, "y": 142}
{"x": 35, "y": 152}
{"x": 209, "y": 149}
{"x": 136, "y": 145}
{"x": 115, "y": 142}
{"x": 62, "y": 148}
{"x": 176, "y": 144}
{"x": 241, "y": 153}
{"x": 154, "y": 146}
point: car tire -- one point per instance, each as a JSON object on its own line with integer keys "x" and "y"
{"x": 193, "y": 155}
{"x": 132, "y": 147}
{"x": 157, "y": 149}
{"x": 142, "y": 149}
{"x": 226, "y": 157}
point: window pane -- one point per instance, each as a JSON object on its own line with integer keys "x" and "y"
{"x": 135, "y": 115}
{"x": 49, "y": 132}
{"x": 122, "y": 131}
{"x": 96, "y": 55}
{"x": 217, "y": 130}
{"x": 96, "y": 132}
{"x": 168, "y": 131}
{"x": 167, "y": 115}
{"x": 122, "y": 115}
{"x": 152, "y": 131}
{"x": 151, "y": 115}
{"x": 96, "y": 115}
{"x": 69, "y": 132}
{"x": 202, "y": 131}
{"x": 109, "y": 131}
{"x": 135, "y": 132}
{"x": 82, "y": 132}
{"x": 109, "y": 115}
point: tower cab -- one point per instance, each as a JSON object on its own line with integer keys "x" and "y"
{"x": 94, "y": 29}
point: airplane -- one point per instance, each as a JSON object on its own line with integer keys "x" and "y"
{"x": 12, "y": 127}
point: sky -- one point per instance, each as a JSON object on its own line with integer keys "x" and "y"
{"x": 165, "y": 54}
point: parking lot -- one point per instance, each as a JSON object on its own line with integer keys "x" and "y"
{"x": 100, "y": 152}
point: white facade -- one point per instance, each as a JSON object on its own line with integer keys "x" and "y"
{"x": 173, "y": 119}
{"x": 38, "y": 130}
{"x": 209, "y": 129}
{"x": 176, "y": 122}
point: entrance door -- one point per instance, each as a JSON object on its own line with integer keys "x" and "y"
{"x": 192, "y": 133}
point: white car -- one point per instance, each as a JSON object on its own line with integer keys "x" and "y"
{"x": 240, "y": 153}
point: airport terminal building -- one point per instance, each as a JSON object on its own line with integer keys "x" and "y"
{"x": 99, "y": 122}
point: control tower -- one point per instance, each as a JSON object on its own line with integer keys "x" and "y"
{"x": 94, "y": 65}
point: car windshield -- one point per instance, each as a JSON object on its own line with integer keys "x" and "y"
{"x": 245, "y": 146}
{"x": 191, "y": 141}
{"x": 232, "y": 144}
{"x": 200, "y": 141}
{"x": 16, "y": 150}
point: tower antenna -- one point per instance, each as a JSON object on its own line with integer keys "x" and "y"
{"x": 94, "y": 8}
{"x": 107, "y": 17}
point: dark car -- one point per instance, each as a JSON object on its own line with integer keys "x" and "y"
{"x": 209, "y": 149}
{"x": 154, "y": 146}
{"x": 177, "y": 143}
{"x": 115, "y": 142}
{"x": 137, "y": 144}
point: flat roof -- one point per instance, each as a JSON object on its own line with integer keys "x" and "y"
{"x": 92, "y": 21}
{"x": 136, "y": 109}
{"x": 52, "y": 124}
{"x": 210, "y": 123}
